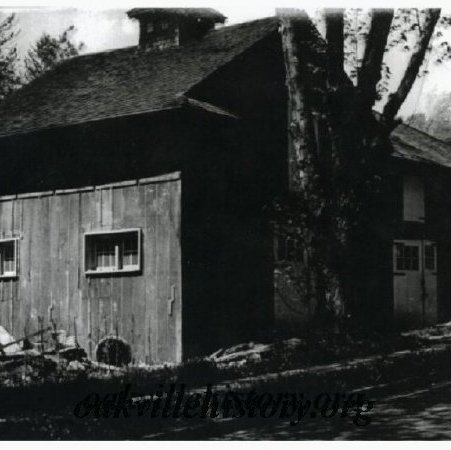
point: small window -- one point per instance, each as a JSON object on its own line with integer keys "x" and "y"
{"x": 413, "y": 199}
{"x": 150, "y": 27}
{"x": 113, "y": 252}
{"x": 429, "y": 257}
{"x": 164, "y": 25}
{"x": 8, "y": 258}
{"x": 407, "y": 257}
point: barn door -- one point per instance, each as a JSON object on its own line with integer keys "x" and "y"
{"x": 415, "y": 282}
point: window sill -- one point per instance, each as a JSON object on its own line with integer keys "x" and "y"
{"x": 8, "y": 276}
{"x": 417, "y": 220}
{"x": 113, "y": 271}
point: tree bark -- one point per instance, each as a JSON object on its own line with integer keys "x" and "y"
{"x": 335, "y": 44}
{"x": 396, "y": 99}
{"x": 370, "y": 72}
{"x": 311, "y": 155}
{"x": 298, "y": 116}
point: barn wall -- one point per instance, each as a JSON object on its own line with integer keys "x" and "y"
{"x": 434, "y": 226}
{"x": 51, "y": 230}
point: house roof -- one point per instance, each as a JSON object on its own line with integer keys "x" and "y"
{"x": 125, "y": 81}
{"x": 134, "y": 81}
{"x": 205, "y": 13}
{"x": 414, "y": 145}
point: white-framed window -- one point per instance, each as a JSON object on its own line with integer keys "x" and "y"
{"x": 407, "y": 257}
{"x": 117, "y": 251}
{"x": 413, "y": 199}
{"x": 8, "y": 257}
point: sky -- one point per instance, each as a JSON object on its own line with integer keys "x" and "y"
{"x": 102, "y": 29}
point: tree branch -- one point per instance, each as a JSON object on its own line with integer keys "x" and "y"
{"x": 370, "y": 72}
{"x": 335, "y": 43}
{"x": 396, "y": 99}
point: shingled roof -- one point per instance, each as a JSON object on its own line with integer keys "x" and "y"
{"x": 414, "y": 145}
{"x": 124, "y": 82}
{"x": 132, "y": 81}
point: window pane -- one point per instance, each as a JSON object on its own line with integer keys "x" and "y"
{"x": 105, "y": 253}
{"x": 413, "y": 198}
{"x": 414, "y": 258}
{"x": 8, "y": 258}
{"x": 429, "y": 257}
{"x": 407, "y": 257}
{"x": 130, "y": 251}
{"x": 112, "y": 251}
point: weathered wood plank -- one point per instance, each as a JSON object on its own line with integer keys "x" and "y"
{"x": 51, "y": 266}
{"x": 151, "y": 269}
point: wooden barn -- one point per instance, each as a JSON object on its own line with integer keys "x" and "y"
{"x": 136, "y": 186}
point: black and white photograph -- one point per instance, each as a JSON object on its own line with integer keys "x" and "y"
{"x": 225, "y": 221}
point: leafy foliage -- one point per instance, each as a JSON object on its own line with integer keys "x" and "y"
{"x": 406, "y": 27}
{"x": 9, "y": 76}
{"x": 42, "y": 56}
{"x": 48, "y": 51}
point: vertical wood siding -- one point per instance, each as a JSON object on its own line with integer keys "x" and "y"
{"x": 51, "y": 229}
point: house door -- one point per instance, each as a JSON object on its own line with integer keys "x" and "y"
{"x": 415, "y": 282}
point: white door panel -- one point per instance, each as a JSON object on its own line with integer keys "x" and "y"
{"x": 415, "y": 282}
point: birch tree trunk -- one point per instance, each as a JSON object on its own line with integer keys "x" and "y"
{"x": 310, "y": 160}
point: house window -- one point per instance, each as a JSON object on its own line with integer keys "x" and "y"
{"x": 8, "y": 258}
{"x": 413, "y": 199}
{"x": 150, "y": 27}
{"x": 407, "y": 257}
{"x": 429, "y": 257}
{"x": 113, "y": 252}
{"x": 164, "y": 25}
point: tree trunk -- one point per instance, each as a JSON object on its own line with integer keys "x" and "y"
{"x": 337, "y": 151}
{"x": 335, "y": 44}
{"x": 370, "y": 71}
{"x": 311, "y": 155}
{"x": 298, "y": 116}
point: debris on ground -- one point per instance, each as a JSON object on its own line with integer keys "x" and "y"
{"x": 242, "y": 354}
{"x": 435, "y": 333}
{"x": 64, "y": 361}
{"x": 24, "y": 361}
{"x": 7, "y": 342}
